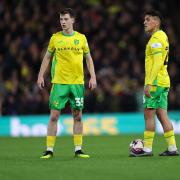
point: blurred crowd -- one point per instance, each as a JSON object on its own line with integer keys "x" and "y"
{"x": 114, "y": 30}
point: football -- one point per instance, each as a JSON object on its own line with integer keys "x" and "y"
{"x": 136, "y": 146}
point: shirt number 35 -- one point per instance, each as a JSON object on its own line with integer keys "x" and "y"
{"x": 79, "y": 101}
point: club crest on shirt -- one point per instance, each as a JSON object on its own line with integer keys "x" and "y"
{"x": 76, "y": 41}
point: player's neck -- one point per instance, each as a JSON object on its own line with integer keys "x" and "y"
{"x": 154, "y": 30}
{"x": 68, "y": 32}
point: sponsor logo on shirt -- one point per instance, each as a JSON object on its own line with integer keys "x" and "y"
{"x": 156, "y": 45}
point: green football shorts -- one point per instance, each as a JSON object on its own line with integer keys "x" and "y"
{"x": 158, "y": 98}
{"x": 62, "y": 93}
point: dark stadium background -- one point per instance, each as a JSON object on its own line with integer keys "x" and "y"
{"x": 113, "y": 112}
{"x": 115, "y": 33}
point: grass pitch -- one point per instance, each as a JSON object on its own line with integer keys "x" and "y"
{"x": 19, "y": 160}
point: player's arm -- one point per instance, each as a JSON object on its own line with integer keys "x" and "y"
{"x": 157, "y": 62}
{"x": 45, "y": 62}
{"x": 90, "y": 66}
{"x": 43, "y": 68}
{"x": 156, "y": 66}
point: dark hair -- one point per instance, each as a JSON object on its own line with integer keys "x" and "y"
{"x": 68, "y": 11}
{"x": 154, "y": 13}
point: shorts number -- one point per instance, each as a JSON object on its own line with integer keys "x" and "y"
{"x": 79, "y": 101}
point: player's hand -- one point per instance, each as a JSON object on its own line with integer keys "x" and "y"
{"x": 92, "y": 83}
{"x": 147, "y": 90}
{"x": 40, "y": 82}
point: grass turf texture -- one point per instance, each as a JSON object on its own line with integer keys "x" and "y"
{"x": 19, "y": 159}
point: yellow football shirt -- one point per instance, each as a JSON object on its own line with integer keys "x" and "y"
{"x": 67, "y": 63}
{"x": 157, "y": 44}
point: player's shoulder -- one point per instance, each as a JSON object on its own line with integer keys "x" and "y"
{"x": 54, "y": 35}
{"x": 160, "y": 35}
{"x": 158, "y": 39}
{"x": 80, "y": 34}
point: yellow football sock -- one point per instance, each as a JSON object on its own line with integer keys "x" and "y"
{"x": 170, "y": 139}
{"x": 77, "y": 141}
{"x": 50, "y": 142}
{"x": 148, "y": 140}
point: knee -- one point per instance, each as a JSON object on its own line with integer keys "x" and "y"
{"x": 54, "y": 118}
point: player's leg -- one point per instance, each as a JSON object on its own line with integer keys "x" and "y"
{"x": 168, "y": 133}
{"x": 78, "y": 133}
{"x": 149, "y": 132}
{"x": 77, "y": 128}
{"x": 164, "y": 120}
{"x": 77, "y": 103}
{"x": 52, "y": 129}
{"x": 150, "y": 106}
{"x": 57, "y": 101}
{"x": 167, "y": 125}
{"x": 51, "y": 134}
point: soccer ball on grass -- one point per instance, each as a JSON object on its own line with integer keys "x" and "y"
{"x": 136, "y": 146}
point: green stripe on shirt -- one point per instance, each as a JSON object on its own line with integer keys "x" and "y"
{"x": 158, "y": 52}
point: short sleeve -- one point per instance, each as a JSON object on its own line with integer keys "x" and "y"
{"x": 51, "y": 46}
{"x": 86, "y": 49}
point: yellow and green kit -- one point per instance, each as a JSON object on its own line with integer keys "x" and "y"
{"x": 156, "y": 75}
{"x": 67, "y": 69}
